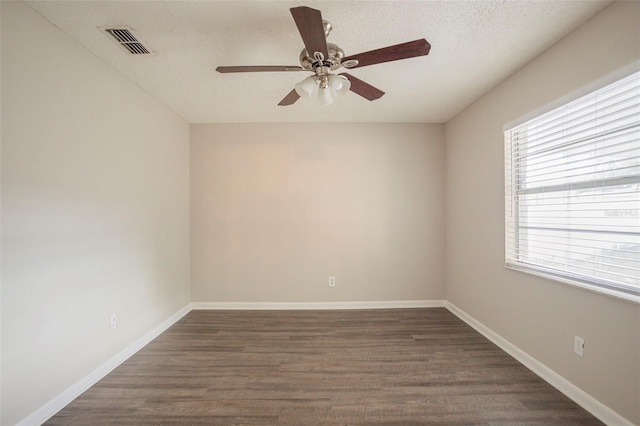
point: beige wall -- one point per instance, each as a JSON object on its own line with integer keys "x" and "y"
{"x": 278, "y": 208}
{"x": 95, "y": 212}
{"x": 95, "y": 215}
{"x": 539, "y": 316}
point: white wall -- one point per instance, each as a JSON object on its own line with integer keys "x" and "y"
{"x": 539, "y": 316}
{"x": 278, "y": 208}
{"x": 95, "y": 212}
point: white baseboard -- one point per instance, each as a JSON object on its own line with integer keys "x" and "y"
{"x": 47, "y": 411}
{"x": 318, "y": 305}
{"x": 580, "y": 397}
{"x": 589, "y": 403}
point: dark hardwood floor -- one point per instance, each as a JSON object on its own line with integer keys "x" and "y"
{"x": 391, "y": 366}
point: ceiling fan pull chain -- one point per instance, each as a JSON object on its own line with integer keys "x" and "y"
{"x": 319, "y": 57}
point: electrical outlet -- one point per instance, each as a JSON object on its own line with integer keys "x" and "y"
{"x": 114, "y": 322}
{"x": 332, "y": 281}
{"x": 578, "y": 346}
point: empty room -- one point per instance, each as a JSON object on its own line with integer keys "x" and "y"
{"x": 320, "y": 212}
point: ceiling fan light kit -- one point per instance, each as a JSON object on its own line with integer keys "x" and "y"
{"x": 324, "y": 85}
{"x": 323, "y": 88}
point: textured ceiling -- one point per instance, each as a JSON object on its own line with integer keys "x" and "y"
{"x": 475, "y": 45}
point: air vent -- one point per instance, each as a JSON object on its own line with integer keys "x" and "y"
{"x": 125, "y": 38}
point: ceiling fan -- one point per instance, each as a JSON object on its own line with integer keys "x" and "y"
{"x": 322, "y": 59}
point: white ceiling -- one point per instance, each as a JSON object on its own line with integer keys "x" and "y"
{"x": 475, "y": 45}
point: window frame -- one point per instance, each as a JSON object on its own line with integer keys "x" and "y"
{"x": 594, "y": 284}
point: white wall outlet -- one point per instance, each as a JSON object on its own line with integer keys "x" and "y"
{"x": 578, "y": 346}
{"x": 114, "y": 322}
{"x": 332, "y": 281}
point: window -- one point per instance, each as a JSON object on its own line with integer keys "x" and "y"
{"x": 573, "y": 191}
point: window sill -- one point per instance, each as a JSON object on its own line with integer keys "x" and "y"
{"x": 585, "y": 286}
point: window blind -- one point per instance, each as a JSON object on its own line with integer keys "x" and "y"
{"x": 573, "y": 190}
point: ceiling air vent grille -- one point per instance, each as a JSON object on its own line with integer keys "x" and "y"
{"x": 125, "y": 38}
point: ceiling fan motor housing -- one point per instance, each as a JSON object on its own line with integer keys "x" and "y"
{"x": 334, "y": 61}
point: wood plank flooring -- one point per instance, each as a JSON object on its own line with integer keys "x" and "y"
{"x": 357, "y": 367}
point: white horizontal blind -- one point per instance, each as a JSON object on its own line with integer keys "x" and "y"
{"x": 573, "y": 190}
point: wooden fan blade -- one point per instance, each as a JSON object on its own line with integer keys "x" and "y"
{"x": 309, "y": 23}
{"x": 407, "y": 50}
{"x": 363, "y": 89}
{"x": 290, "y": 99}
{"x": 260, "y": 68}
